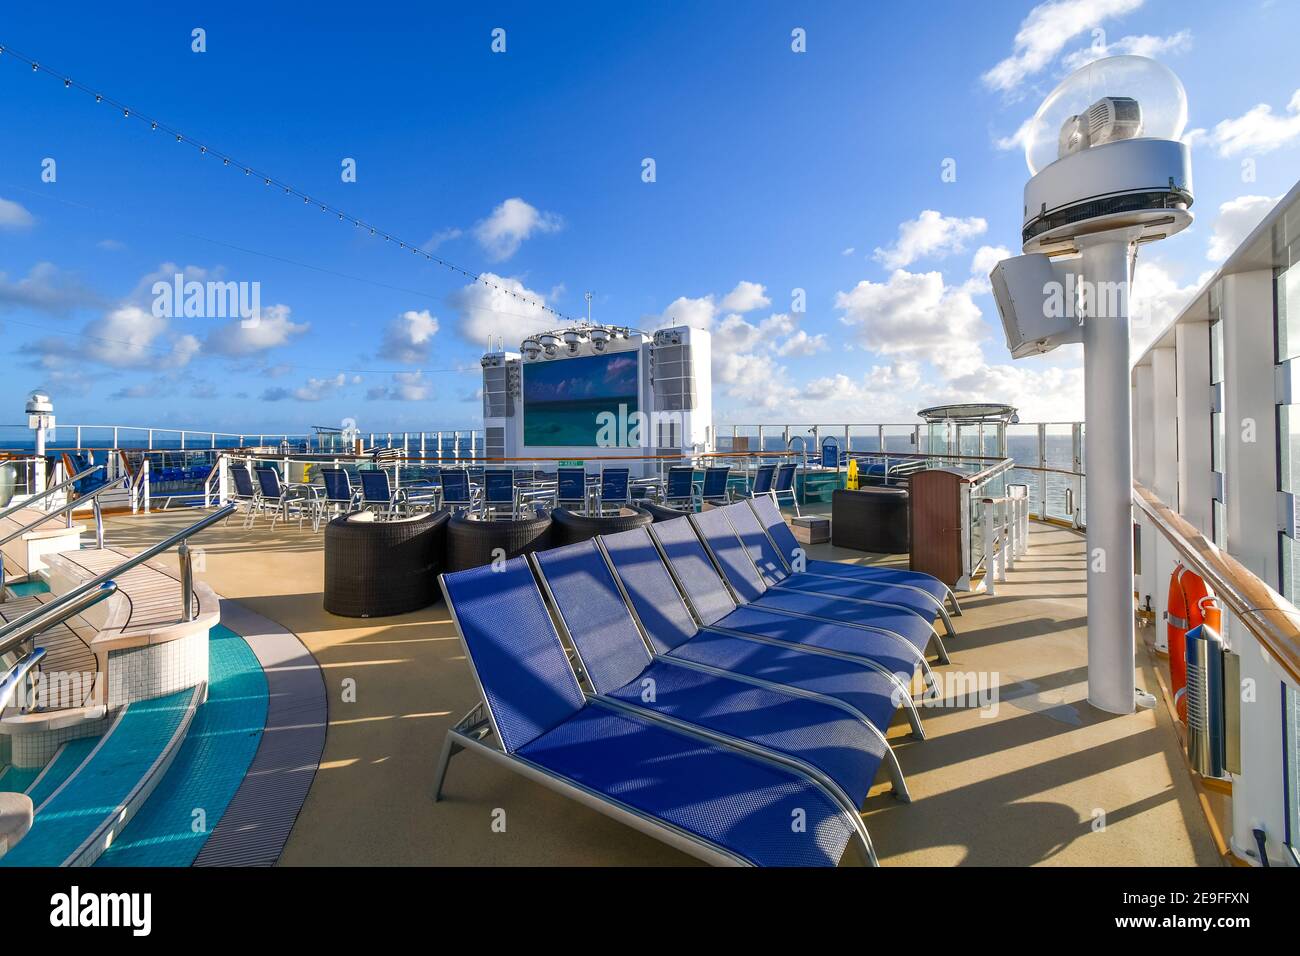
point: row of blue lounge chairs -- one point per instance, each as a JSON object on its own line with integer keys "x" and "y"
{"x": 724, "y": 694}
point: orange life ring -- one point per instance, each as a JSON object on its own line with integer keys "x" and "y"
{"x": 1190, "y": 605}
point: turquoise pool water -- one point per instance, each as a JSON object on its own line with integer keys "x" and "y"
{"x": 178, "y": 817}
{"x": 24, "y": 588}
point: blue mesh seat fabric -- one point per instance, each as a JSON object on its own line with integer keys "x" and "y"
{"x": 719, "y": 795}
{"x": 745, "y": 580}
{"x": 786, "y": 543}
{"x": 618, "y": 664}
{"x": 714, "y": 606}
{"x": 670, "y": 629}
{"x": 775, "y": 574}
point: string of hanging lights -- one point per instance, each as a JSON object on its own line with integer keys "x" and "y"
{"x": 272, "y": 182}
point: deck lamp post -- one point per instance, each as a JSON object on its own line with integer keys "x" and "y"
{"x": 1109, "y": 174}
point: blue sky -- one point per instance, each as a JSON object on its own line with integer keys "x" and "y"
{"x": 775, "y": 171}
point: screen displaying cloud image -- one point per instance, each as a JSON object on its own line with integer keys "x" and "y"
{"x": 563, "y": 398}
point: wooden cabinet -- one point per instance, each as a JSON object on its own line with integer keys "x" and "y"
{"x": 939, "y": 545}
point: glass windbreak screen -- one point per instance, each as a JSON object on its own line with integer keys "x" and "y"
{"x": 1216, "y": 442}
{"x": 1291, "y": 698}
{"x": 1288, "y": 448}
{"x": 900, "y": 438}
{"x": 1022, "y": 445}
{"x": 864, "y": 438}
{"x": 1216, "y": 352}
{"x": 1288, "y": 308}
{"x": 1058, "y": 454}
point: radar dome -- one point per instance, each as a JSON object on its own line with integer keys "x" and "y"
{"x": 1111, "y": 99}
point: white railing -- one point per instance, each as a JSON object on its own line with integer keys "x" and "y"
{"x": 1006, "y": 533}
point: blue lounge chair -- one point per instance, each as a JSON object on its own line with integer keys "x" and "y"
{"x": 818, "y": 734}
{"x": 499, "y": 494}
{"x": 714, "y": 606}
{"x": 287, "y": 501}
{"x": 732, "y": 560}
{"x": 339, "y": 493}
{"x": 615, "y": 490}
{"x": 763, "y": 480}
{"x": 246, "y": 493}
{"x": 783, "y": 486}
{"x": 868, "y": 686}
{"x": 767, "y": 561}
{"x": 716, "y": 802}
{"x": 787, "y": 547}
{"x": 680, "y": 488}
{"x": 458, "y": 493}
{"x": 377, "y": 493}
{"x": 571, "y": 489}
{"x": 713, "y": 490}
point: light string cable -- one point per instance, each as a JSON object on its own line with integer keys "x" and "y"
{"x": 268, "y": 180}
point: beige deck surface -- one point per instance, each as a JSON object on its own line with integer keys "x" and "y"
{"x": 1022, "y": 787}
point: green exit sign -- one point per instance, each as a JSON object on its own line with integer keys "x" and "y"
{"x": 575, "y": 463}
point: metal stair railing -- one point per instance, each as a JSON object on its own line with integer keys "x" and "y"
{"x": 13, "y": 509}
{"x": 23, "y": 623}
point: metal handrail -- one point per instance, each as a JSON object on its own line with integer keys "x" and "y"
{"x": 48, "y": 491}
{"x": 1269, "y": 616}
{"x": 68, "y": 506}
{"x": 17, "y": 675}
{"x": 30, "y": 631}
{"x": 134, "y": 561}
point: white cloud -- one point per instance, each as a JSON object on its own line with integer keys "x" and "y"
{"x": 405, "y": 387}
{"x": 510, "y": 223}
{"x": 985, "y": 258}
{"x": 438, "y": 238}
{"x": 802, "y": 344}
{"x": 1017, "y": 140}
{"x": 1044, "y": 33}
{"x": 1237, "y": 217}
{"x": 915, "y": 316}
{"x": 313, "y": 390}
{"x": 1258, "y": 130}
{"x": 408, "y": 337}
{"x": 847, "y": 251}
{"x": 1133, "y": 45}
{"x": 47, "y": 289}
{"x": 929, "y": 234}
{"x": 14, "y": 216}
{"x": 270, "y": 329}
{"x": 500, "y": 306}
{"x": 132, "y": 337}
{"x": 1156, "y": 300}
{"x": 745, "y": 297}
{"x": 696, "y": 313}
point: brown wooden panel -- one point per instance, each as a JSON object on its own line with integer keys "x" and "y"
{"x": 936, "y": 524}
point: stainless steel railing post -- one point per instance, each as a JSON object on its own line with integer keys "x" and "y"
{"x": 187, "y": 581}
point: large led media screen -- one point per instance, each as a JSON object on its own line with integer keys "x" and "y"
{"x": 564, "y": 398}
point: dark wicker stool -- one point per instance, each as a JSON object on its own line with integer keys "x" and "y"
{"x": 377, "y": 568}
{"x": 659, "y": 512}
{"x": 472, "y": 543}
{"x": 873, "y": 519}
{"x": 570, "y": 528}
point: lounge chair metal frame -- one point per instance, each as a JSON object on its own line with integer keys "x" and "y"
{"x": 471, "y": 732}
{"x": 935, "y": 639}
{"x": 293, "y": 498}
{"x": 895, "y": 771}
{"x": 904, "y": 691}
{"x": 951, "y": 595}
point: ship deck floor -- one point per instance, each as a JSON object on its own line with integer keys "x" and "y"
{"x": 1043, "y": 779}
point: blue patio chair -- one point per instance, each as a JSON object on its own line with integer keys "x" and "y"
{"x": 713, "y": 490}
{"x": 783, "y": 486}
{"x": 764, "y": 476}
{"x": 287, "y": 501}
{"x": 679, "y": 490}
{"x": 715, "y": 606}
{"x": 775, "y": 574}
{"x": 499, "y": 493}
{"x": 732, "y": 560}
{"x": 714, "y": 801}
{"x": 571, "y": 489}
{"x": 786, "y": 547}
{"x": 377, "y": 493}
{"x": 246, "y": 493}
{"x": 458, "y": 492}
{"x": 866, "y": 684}
{"x": 615, "y": 488}
{"x": 812, "y": 732}
{"x": 339, "y": 493}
